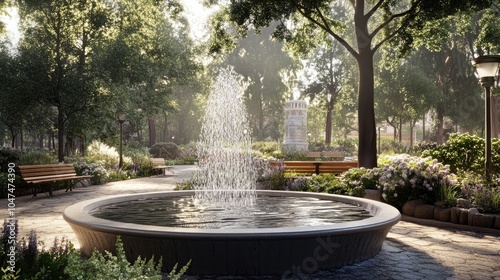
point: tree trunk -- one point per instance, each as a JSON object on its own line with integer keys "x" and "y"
{"x": 411, "y": 133}
{"x": 400, "y": 131}
{"x": 423, "y": 128}
{"x": 367, "y": 152}
{"x": 60, "y": 135}
{"x": 152, "y": 132}
{"x": 440, "y": 127}
{"x": 328, "y": 128}
{"x": 165, "y": 128}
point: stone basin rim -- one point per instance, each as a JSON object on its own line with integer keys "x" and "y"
{"x": 384, "y": 215}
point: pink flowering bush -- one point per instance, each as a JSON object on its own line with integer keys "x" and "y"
{"x": 404, "y": 177}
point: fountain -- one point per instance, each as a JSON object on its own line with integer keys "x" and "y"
{"x": 224, "y": 225}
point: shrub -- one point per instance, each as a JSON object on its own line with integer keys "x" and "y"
{"x": 394, "y": 147}
{"x": 34, "y": 157}
{"x": 165, "y": 150}
{"x": 7, "y": 156}
{"x": 140, "y": 161}
{"x": 115, "y": 175}
{"x": 366, "y": 177}
{"x": 272, "y": 177}
{"x": 33, "y": 262}
{"x": 268, "y": 149}
{"x": 105, "y": 156}
{"x": 295, "y": 155}
{"x": 404, "y": 177}
{"x": 347, "y": 146}
{"x": 108, "y": 266}
{"x": 187, "y": 154}
{"x": 99, "y": 174}
{"x": 464, "y": 152}
{"x": 62, "y": 261}
{"x": 485, "y": 198}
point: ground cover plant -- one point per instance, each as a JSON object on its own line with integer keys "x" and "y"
{"x": 63, "y": 261}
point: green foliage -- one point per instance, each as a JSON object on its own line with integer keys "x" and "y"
{"x": 485, "y": 197}
{"x": 368, "y": 178}
{"x": 115, "y": 175}
{"x": 34, "y": 157}
{"x": 187, "y": 154}
{"x": 99, "y": 174}
{"x": 185, "y": 185}
{"x": 268, "y": 149}
{"x": 404, "y": 177}
{"x": 62, "y": 261}
{"x": 329, "y": 183}
{"x": 7, "y": 156}
{"x": 104, "y": 155}
{"x": 295, "y": 155}
{"x": 394, "y": 147}
{"x": 164, "y": 150}
{"x": 35, "y": 263}
{"x": 448, "y": 193}
{"x": 109, "y": 266}
{"x": 140, "y": 161}
{"x": 464, "y": 152}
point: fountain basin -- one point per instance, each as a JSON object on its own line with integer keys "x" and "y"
{"x": 252, "y": 251}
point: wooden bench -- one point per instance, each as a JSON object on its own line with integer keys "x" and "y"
{"x": 159, "y": 163}
{"x": 44, "y": 175}
{"x": 316, "y": 167}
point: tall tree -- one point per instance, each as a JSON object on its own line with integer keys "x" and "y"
{"x": 330, "y": 71}
{"x": 404, "y": 95}
{"x": 149, "y": 54}
{"x": 59, "y": 36}
{"x": 375, "y": 23}
{"x": 264, "y": 95}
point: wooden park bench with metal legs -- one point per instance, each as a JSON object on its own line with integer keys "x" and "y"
{"x": 45, "y": 175}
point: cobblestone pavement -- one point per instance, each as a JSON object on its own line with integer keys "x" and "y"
{"x": 411, "y": 251}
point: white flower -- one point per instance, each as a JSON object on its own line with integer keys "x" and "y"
{"x": 395, "y": 195}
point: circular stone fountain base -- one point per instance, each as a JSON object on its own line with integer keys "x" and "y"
{"x": 252, "y": 251}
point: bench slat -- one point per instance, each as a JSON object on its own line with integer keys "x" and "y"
{"x": 48, "y": 173}
{"x": 30, "y": 178}
{"x": 57, "y": 179}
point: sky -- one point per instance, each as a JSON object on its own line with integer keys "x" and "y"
{"x": 11, "y": 19}
{"x": 197, "y": 16}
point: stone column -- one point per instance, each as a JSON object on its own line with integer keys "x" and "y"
{"x": 295, "y": 126}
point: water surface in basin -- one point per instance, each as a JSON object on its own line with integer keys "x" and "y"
{"x": 266, "y": 212}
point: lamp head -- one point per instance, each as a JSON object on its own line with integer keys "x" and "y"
{"x": 487, "y": 68}
{"x": 120, "y": 116}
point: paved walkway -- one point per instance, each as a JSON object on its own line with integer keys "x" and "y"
{"x": 410, "y": 251}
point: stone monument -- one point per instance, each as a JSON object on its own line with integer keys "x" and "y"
{"x": 295, "y": 126}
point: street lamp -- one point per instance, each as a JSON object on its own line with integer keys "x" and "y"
{"x": 487, "y": 68}
{"x": 120, "y": 116}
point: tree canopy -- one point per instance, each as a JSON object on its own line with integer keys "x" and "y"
{"x": 373, "y": 23}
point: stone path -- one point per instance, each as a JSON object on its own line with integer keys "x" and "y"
{"x": 411, "y": 251}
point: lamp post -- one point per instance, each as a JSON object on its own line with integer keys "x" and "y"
{"x": 487, "y": 68}
{"x": 120, "y": 116}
